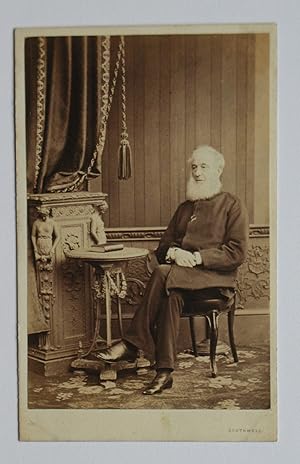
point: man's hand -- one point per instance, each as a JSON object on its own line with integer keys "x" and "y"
{"x": 184, "y": 258}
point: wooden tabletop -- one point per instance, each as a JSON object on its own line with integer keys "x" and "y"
{"x": 91, "y": 254}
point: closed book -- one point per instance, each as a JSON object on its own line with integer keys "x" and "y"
{"x": 106, "y": 248}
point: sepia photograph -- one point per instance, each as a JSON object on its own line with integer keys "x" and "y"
{"x": 146, "y": 232}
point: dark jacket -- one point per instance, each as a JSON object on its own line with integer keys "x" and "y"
{"x": 217, "y": 228}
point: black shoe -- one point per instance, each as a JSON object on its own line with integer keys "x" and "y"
{"x": 119, "y": 352}
{"x": 162, "y": 381}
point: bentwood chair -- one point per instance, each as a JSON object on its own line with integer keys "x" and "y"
{"x": 211, "y": 309}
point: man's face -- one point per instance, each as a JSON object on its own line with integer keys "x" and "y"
{"x": 205, "y": 169}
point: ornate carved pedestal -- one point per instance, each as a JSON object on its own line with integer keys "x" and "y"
{"x": 63, "y": 285}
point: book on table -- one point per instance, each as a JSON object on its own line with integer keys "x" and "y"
{"x": 105, "y": 247}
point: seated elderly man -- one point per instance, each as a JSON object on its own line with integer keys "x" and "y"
{"x": 201, "y": 250}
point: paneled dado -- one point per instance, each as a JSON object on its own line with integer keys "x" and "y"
{"x": 253, "y": 278}
{"x": 253, "y": 286}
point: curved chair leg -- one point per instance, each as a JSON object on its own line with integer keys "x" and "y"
{"x": 231, "y": 334}
{"x": 213, "y": 323}
{"x": 193, "y": 335}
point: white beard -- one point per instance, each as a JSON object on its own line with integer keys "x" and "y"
{"x": 202, "y": 190}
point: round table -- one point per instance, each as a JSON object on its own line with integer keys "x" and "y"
{"x": 106, "y": 264}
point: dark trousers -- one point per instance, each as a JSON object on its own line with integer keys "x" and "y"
{"x": 155, "y": 325}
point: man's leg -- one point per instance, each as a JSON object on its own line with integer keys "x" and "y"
{"x": 168, "y": 324}
{"x": 140, "y": 333}
{"x": 168, "y": 321}
{"x": 141, "y": 330}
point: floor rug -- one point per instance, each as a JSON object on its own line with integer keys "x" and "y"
{"x": 245, "y": 385}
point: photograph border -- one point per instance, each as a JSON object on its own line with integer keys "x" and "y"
{"x": 140, "y": 425}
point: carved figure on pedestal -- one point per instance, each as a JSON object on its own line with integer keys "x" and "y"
{"x": 44, "y": 235}
{"x": 97, "y": 224}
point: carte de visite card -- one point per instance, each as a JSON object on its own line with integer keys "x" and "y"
{"x": 119, "y": 134}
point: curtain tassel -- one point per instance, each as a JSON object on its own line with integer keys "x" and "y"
{"x": 124, "y": 171}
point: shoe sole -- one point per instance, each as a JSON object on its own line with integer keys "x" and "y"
{"x": 168, "y": 385}
{"x": 130, "y": 360}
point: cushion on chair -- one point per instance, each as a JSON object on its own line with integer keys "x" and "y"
{"x": 194, "y": 306}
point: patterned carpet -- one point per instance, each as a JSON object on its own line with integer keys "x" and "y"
{"x": 242, "y": 386}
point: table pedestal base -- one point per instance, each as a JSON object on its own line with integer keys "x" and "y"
{"x": 110, "y": 371}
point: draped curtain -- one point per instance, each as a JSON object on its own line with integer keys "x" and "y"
{"x": 67, "y": 80}
{"x": 67, "y": 83}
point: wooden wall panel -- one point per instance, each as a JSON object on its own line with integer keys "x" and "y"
{"x": 177, "y": 121}
{"x": 203, "y": 90}
{"x": 126, "y": 187}
{"x": 113, "y": 139}
{"x": 136, "y": 88}
{"x": 228, "y": 116}
{"x": 190, "y": 100}
{"x": 251, "y": 127}
{"x": 262, "y": 143}
{"x": 216, "y": 96}
{"x": 183, "y": 91}
{"x": 151, "y": 121}
{"x": 164, "y": 131}
{"x": 241, "y": 116}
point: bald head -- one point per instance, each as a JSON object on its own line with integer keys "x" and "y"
{"x": 206, "y": 165}
{"x": 208, "y": 154}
